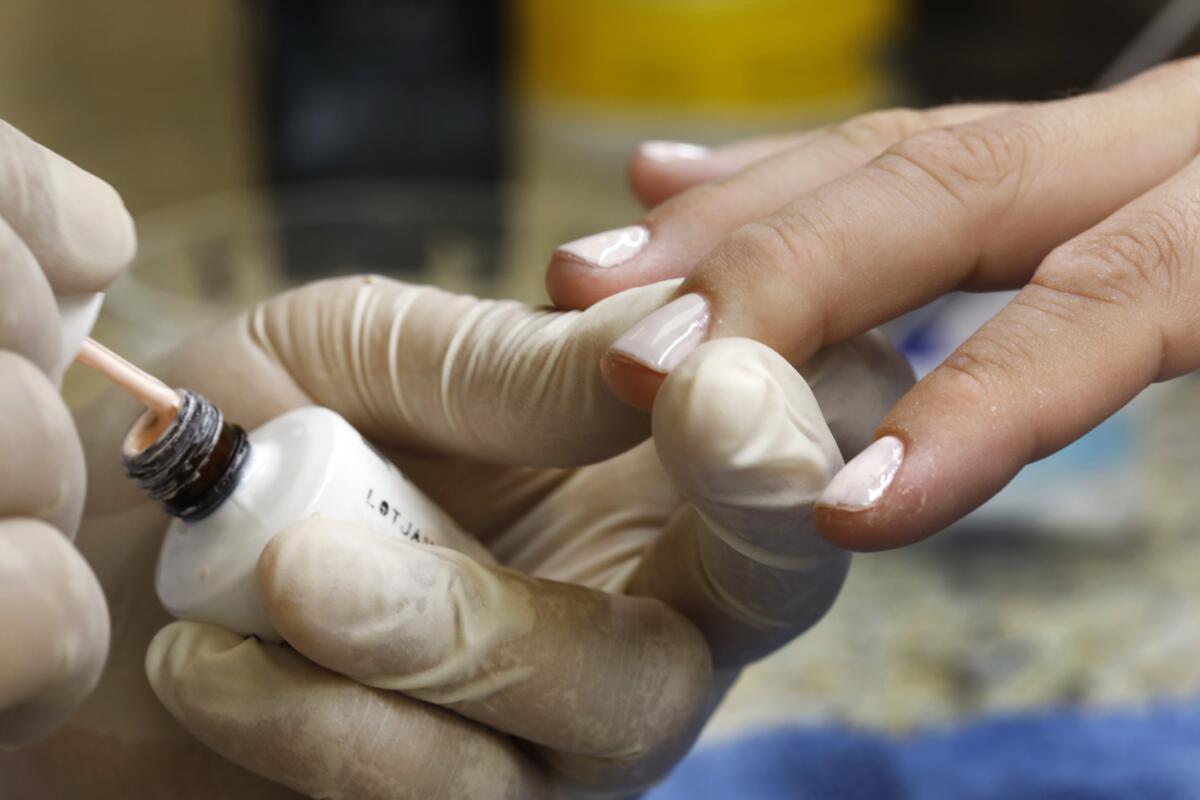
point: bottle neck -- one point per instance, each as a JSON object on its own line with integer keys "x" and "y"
{"x": 194, "y": 464}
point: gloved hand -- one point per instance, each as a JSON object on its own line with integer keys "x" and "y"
{"x": 62, "y": 232}
{"x": 636, "y": 583}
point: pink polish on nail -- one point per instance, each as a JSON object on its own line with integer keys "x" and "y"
{"x": 610, "y": 248}
{"x": 665, "y": 337}
{"x": 669, "y": 152}
{"x": 865, "y": 480}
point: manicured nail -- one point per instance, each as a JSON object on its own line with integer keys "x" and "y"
{"x": 610, "y": 248}
{"x": 668, "y": 152}
{"x": 866, "y": 478}
{"x": 661, "y": 340}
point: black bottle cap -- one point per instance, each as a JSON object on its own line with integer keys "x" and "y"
{"x": 195, "y": 464}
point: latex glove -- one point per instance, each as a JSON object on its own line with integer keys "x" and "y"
{"x": 62, "y": 231}
{"x": 416, "y": 670}
{"x": 805, "y": 241}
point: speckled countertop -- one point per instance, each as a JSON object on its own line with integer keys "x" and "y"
{"x": 967, "y": 623}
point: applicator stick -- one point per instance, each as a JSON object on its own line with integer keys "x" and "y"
{"x": 155, "y": 394}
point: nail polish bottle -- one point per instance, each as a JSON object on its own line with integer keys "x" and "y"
{"x": 230, "y": 492}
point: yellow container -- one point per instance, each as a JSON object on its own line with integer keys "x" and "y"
{"x": 692, "y": 55}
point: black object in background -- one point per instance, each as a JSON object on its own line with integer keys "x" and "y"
{"x": 379, "y": 90}
{"x": 1017, "y": 49}
{"x": 371, "y": 88}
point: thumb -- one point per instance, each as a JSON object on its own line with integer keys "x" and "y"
{"x": 419, "y": 368}
{"x": 742, "y": 437}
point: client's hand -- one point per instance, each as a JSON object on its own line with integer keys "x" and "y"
{"x": 639, "y": 576}
{"x": 1090, "y": 205}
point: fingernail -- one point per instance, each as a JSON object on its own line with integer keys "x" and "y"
{"x": 610, "y": 248}
{"x": 863, "y": 481}
{"x": 664, "y": 338}
{"x": 668, "y": 152}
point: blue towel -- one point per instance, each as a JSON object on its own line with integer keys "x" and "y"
{"x": 1150, "y": 754}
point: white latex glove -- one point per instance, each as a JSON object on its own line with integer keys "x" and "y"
{"x": 62, "y": 231}
{"x": 415, "y": 670}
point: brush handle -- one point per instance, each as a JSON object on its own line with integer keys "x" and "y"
{"x": 152, "y": 392}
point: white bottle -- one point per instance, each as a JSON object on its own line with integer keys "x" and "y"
{"x": 231, "y": 493}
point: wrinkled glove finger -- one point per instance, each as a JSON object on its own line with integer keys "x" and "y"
{"x": 74, "y": 223}
{"x": 55, "y": 630}
{"x": 271, "y": 711}
{"x": 41, "y": 463}
{"x": 414, "y": 366}
{"x": 52, "y": 610}
{"x": 29, "y": 323}
{"x": 742, "y": 437}
{"x": 611, "y": 687}
{"x": 594, "y": 525}
{"x": 856, "y": 382}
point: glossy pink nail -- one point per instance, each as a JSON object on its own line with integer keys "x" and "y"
{"x": 671, "y": 152}
{"x": 665, "y": 337}
{"x": 610, "y": 248}
{"x": 865, "y": 480}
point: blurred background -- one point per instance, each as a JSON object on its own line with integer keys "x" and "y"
{"x": 261, "y": 144}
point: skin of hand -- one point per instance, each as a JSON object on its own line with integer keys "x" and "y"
{"x": 62, "y": 231}
{"x": 1090, "y": 205}
{"x": 639, "y": 574}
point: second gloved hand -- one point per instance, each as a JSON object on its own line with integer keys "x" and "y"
{"x": 638, "y": 575}
{"x": 63, "y": 232}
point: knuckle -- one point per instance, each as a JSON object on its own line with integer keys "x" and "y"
{"x": 791, "y": 241}
{"x": 765, "y": 250}
{"x": 778, "y": 254}
{"x": 977, "y": 372}
{"x": 802, "y": 235}
{"x": 963, "y": 159}
{"x": 1142, "y": 259}
{"x": 755, "y": 254}
{"x": 874, "y": 131}
{"x": 800, "y": 239}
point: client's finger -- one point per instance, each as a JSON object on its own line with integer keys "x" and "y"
{"x": 1106, "y": 314}
{"x": 660, "y": 170}
{"x": 674, "y": 236}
